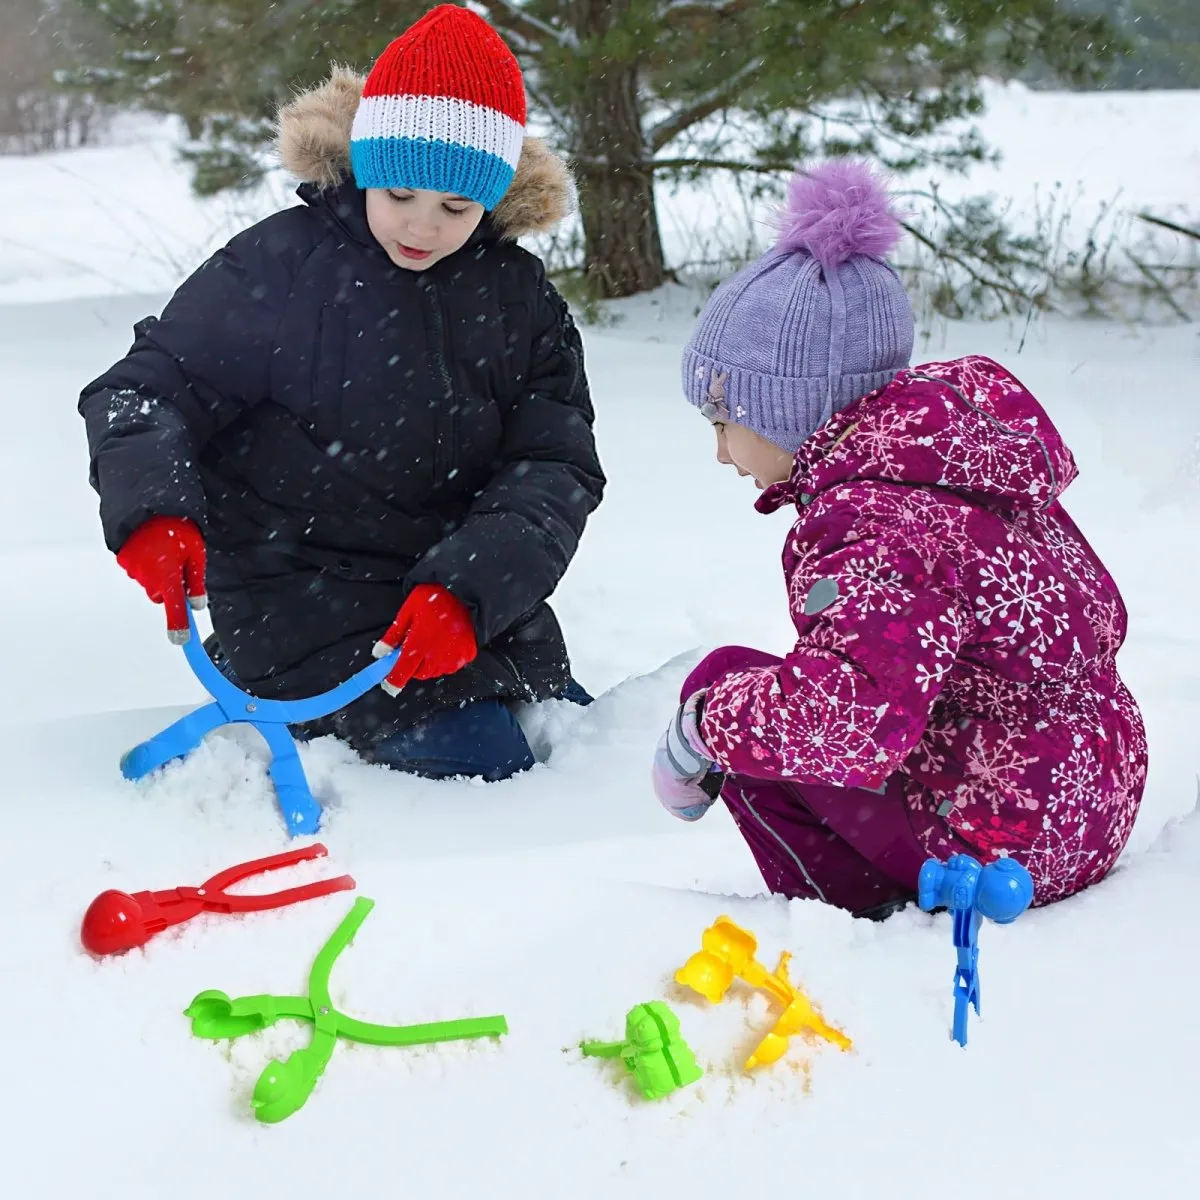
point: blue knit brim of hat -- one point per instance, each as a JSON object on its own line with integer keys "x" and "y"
{"x": 786, "y": 411}
{"x": 432, "y": 166}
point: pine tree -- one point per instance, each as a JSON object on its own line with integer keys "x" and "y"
{"x": 1166, "y": 37}
{"x": 39, "y": 38}
{"x": 1164, "y": 42}
{"x": 631, "y": 90}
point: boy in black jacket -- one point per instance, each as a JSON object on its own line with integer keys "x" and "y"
{"x": 365, "y": 423}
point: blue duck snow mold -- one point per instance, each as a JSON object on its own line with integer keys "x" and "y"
{"x": 231, "y": 705}
{"x": 1001, "y": 891}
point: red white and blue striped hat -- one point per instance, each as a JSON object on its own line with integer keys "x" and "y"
{"x": 444, "y": 109}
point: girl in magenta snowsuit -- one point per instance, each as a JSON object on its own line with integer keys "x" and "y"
{"x": 953, "y": 685}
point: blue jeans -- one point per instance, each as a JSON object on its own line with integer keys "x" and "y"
{"x": 482, "y": 740}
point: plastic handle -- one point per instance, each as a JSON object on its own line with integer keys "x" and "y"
{"x": 383, "y": 1035}
{"x": 216, "y": 1017}
{"x": 240, "y": 705}
{"x": 342, "y": 936}
{"x": 218, "y": 899}
{"x": 260, "y": 903}
{"x": 601, "y": 1049}
{"x": 421, "y": 1035}
{"x": 260, "y": 866}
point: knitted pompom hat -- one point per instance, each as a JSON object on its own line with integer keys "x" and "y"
{"x": 815, "y": 323}
{"x": 443, "y": 108}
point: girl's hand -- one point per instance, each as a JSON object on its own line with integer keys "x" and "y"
{"x": 683, "y": 773}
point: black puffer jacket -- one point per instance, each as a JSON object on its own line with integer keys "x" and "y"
{"x": 343, "y": 429}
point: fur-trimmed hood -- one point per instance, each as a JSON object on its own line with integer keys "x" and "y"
{"x": 313, "y": 141}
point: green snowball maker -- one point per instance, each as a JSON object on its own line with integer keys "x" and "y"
{"x": 653, "y": 1050}
{"x": 284, "y": 1086}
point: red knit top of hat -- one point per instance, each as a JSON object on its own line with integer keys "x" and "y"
{"x": 451, "y": 52}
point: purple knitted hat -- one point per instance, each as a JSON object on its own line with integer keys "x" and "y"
{"x": 816, "y": 322}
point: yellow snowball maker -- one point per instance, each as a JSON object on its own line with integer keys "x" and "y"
{"x": 728, "y": 952}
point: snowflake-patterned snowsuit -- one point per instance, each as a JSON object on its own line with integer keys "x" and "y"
{"x": 955, "y": 661}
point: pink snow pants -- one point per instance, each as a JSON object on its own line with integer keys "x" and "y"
{"x": 848, "y": 847}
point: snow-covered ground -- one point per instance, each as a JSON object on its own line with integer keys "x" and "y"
{"x": 564, "y": 897}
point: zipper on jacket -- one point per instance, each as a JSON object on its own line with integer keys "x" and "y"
{"x": 741, "y": 795}
{"x": 507, "y": 660}
{"x": 445, "y": 458}
{"x": 1017, "y": 433}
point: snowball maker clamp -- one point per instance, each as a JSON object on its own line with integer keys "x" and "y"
{"x": 230, "y": 706}
{"x": 728, "y": 952}
{"x": 117, "y": 921}
{"x": 1001, "y": 891}
{"x": 283, "y": 1087}
{"x": 653, "y": 1050}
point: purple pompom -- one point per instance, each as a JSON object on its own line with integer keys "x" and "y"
{"x": 838, "y": 209}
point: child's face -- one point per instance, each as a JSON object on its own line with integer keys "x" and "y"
{"x": 418, "y": 228}
{"x": 751, "y": 454}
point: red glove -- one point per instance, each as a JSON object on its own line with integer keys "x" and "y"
{"x": 162, "y": 554}
{"x": 437, "y": 633}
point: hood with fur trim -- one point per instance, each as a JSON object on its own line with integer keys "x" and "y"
{"x": 313, "y": 141}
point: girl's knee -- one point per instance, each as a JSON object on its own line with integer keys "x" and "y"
{"x": 725, "y": 661}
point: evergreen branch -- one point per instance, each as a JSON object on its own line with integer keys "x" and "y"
{"x": 714, "y": 164}
{"x": 1163, "y": 223}
{"x": 512, "y": 18}
{"x": 680, "y": 11}
{"x": 877, "y": 124}
{"x": 712, "y": 101}
{"x": 951, "y": 214}
{"x": 551, "y": 111}
{"x": 1003, "y": 287}
{"x": 1157, "y": 285}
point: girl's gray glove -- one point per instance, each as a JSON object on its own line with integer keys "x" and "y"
{"x": 685, "y": 778}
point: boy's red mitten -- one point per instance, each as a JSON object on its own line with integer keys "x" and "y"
{"x": 165, "y": 555}
{"x": 435, "y": 634}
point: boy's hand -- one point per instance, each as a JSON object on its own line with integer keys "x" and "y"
{"x": 435, "y": 634}
{"x": 165, "y": 555}
{"x": 683, "y": 774}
